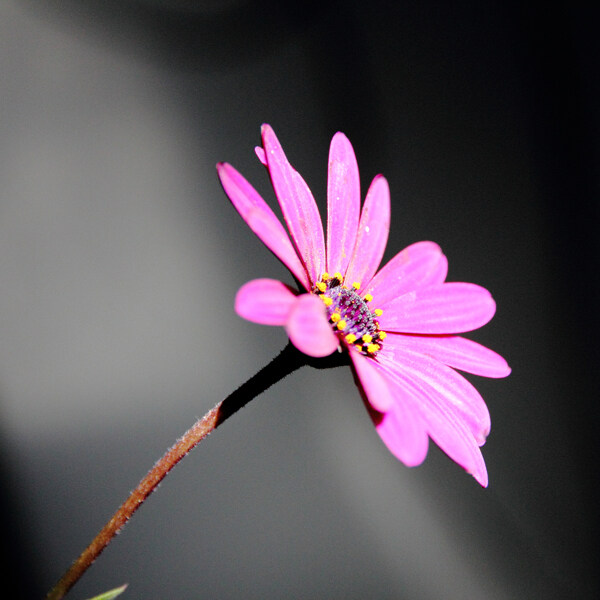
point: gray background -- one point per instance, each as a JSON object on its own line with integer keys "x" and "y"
{"x": 120, "y": 258}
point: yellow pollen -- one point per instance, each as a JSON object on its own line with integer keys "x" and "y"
{"x": 335, "y": 317}
{"x": 322, "y": 287}
{"x": 341, "y": 325}
{"x": 350, "y": 338}
{"x": 372, "y": 348}
{"x": 382, "y": 335}
{"x": 327, "y": 301}
{"x": 356, "y": 285}
{"x": 325, "y": 277}
{"x": 367, "y": 339}
{"x": 368, "y": 298}
{"x": 377, "y": 312}
{"x": 338, "y": 275}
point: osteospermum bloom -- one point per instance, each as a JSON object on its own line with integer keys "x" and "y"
{"x": 398, "y": 325}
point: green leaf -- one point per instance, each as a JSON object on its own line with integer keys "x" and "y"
{"x": 110, "y": 594}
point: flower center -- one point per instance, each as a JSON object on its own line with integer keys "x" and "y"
{"x": 349, "y": 315}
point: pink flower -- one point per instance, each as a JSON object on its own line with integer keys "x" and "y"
{"x": 398, "y": 325}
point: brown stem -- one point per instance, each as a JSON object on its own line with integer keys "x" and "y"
{"x": 285, "y": 363}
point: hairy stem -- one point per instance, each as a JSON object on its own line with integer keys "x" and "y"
{"x": 285, "y": 363}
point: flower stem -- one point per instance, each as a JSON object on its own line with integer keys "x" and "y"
{"x": 282, "y": 365}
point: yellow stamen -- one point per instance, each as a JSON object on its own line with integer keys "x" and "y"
{"x": 341, "y": 325}
{"x": 356, "y": 285}
{"x": 372, "y": 348}
{"x": 322, "y": 287}
{"x": 367, "y": 339}
{"x": 368, "y": 298}
{"x": 350, "y": 338}
{"x": 382, "y": 335}
{"x": 335, "y": 317}
{"x": 327, "y": 301}
{"x": 338, "y": 275}
{"x": 325, "y": 277}
{"x": 377, "y": 312}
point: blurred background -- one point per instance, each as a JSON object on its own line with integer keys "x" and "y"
{"x": 120, "y": 257}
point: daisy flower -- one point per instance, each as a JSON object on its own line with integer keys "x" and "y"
{"x": 399, "y": 325}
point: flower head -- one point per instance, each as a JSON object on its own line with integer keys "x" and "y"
{"x": 399, "y": 325}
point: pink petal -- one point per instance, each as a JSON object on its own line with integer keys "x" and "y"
{"x": 308, "y": 327}
{"x": 419, "y": 265}
{"x": 455, "y": 351}
{"x": 298, "y": 206}
{"x": 373, "y": 231}
{"x": 265, "y": 301}
{"x": 404, "y": 435}
{"x": 343, "y": 203}
{"x": 261, "y": 155}
{"x": 397, "y": 422}
{"x": 261, "y": 219}
{"x": 442, "y": 385}
{"x": 447, "y": 308}
{"x": 446, "y": 429}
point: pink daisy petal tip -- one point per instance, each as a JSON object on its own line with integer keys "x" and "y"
{"x": 399, "y": 324}
{"x": 260, "y": 153}
{"x": 481, "y": 477}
